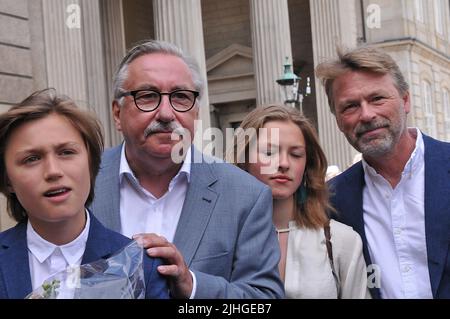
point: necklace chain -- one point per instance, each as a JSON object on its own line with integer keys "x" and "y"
{"x": 283, "y": 230}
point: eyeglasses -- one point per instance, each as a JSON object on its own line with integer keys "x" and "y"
{"x": 149, "y": 100}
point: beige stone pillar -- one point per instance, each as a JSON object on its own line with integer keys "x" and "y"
{"x": 75, "y": 58}
{"x": 5, "y": 221}
{"x": 114, "y": 46}
{"x": 180, "y": 22}
{"x": 332, "y": 22}
{"x": 66, "y": 70}
{"x": 271, "y": 40}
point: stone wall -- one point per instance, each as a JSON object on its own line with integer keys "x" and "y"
{"x": 138, "y": 17}
{"x": 225, "y": 23}
{"x": 421, "y": 51}
{"x": 16, "y": 72}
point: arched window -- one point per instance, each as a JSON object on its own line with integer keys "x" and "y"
{"x": 427, "y": 102}
{"x": 446, "y": 108}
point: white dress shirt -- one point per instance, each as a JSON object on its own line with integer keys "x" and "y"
{"x": 394, "y": 222}
{"x": 46, "y": 259}
{"x": 142, "y": 212}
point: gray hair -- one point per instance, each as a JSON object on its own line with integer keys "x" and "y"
{"x": 149, "y": 47}
{"x": 365, "y": 58}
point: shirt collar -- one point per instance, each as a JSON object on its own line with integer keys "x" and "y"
{"x": 417, "y": 155}
{"x": 42, "y": 249}
{"x": 414, "y": 160}
{"x": 125, "y": 169}
{"x": 186, "y": 167}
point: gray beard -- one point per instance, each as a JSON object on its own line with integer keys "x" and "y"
{"x": 385, "y": 144}
{"x": 376, "y": 148}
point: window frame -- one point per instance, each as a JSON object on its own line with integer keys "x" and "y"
{"x": 428, "y": 114}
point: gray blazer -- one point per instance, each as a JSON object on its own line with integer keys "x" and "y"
{"x": 225, "y": 231}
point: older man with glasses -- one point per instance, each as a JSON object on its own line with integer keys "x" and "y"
{"x": 209, "y": 221}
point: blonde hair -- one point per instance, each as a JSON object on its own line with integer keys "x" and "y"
{"x": 37, "y": 106}
{"x": 366, "y": 58}
{"x": 314, "y": 212}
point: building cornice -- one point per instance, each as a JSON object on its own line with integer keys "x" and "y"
{"x": 417, "y": 46}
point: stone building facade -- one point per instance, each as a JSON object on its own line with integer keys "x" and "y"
{"x": 241, "y": 45}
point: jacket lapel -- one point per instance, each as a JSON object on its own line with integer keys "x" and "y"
{"x": 97, "y": 245}
{"x": 197, "y": 209}
{"x": 108, "y": 187}
{"x": 351, "y": 209}
{"x": 351, "y": 203}
{"x": 437, "y": 208}
{"x": 14, "y": 263}
{"x": 357, "y": 212}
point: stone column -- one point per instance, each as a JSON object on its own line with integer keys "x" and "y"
{"x": 66, "y": 67}
{"x": 114, "y": 41}
{"x": 271, "y": 40}
{"x": 5, "y": 220}
{"x": 75, "y": 58}
{"x": 332, "y": 22}
{"x": 180, "y": 22}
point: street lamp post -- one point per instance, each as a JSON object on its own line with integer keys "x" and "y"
{"x": 290, "y": 82}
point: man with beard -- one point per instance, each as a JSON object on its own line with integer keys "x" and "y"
{"x": 397, "y": 196}
{"x": 210, "y": 221}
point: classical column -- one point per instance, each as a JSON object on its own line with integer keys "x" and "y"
{"x": 65, "y": 60}
{"x": 332, "y": 22}
{"x": 5, "y": 221}
{"x": 271, "y": 40}
{"x": 114, "y": 41}
{"x": 180, "y": 22}
{"x": 75, "y": 59}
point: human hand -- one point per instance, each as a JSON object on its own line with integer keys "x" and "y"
{"x": 179, "y": 276}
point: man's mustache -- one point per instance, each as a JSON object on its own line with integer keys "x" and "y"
{"x": 365, "y": 127}
{"x": 162, "y": 127}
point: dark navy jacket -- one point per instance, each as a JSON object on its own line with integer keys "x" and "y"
{"x": 347, "y": 198}
{"x": 15, "y": 278}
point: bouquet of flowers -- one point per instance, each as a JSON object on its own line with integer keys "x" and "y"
{"x": 118, "y": 277}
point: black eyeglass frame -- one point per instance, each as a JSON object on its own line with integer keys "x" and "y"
{"x": 135, "y": 92}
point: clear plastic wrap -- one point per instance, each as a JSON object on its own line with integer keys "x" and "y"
{"x": 119, "y": 277}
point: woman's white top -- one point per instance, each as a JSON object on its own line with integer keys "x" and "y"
{"x": 308, "y": 269}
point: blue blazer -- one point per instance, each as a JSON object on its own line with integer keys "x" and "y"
{"x": 225, "y": 232}
{"x": 347, "y": 190}
{"x": 15, "y": 278}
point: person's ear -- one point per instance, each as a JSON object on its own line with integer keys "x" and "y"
{"x": 406, "y": 102}
{"x": 116, "y": 109}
